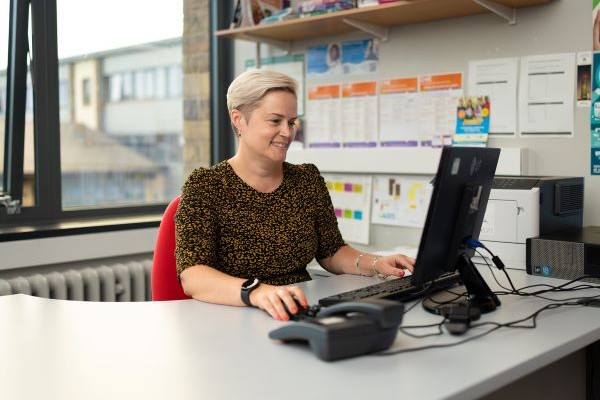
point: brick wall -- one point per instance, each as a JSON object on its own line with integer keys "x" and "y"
{"x": 196, "y": 84}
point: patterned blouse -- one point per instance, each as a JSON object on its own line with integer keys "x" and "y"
{"x": 224, "y": 223}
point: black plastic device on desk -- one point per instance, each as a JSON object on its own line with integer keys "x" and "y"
{"x": 566, "y": 254}
{"x": 401, "y": 289}
{"x": 461, "y": 190}
{"x": 346, "y": 329}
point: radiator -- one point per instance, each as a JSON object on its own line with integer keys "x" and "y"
{"x": 118, "y": 282}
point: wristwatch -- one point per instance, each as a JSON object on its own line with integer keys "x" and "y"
{"x": 247, "y": 288}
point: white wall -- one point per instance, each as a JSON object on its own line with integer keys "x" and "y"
{"x": 448, "y": 45}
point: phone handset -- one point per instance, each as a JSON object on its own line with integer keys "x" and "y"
{"x": 347, "y": 329}
{"x": 386, "y": 313}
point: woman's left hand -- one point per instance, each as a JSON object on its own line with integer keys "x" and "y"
{"x": 393, "y": 265}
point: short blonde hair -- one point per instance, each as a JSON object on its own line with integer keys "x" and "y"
{"x": 247, "y": 90}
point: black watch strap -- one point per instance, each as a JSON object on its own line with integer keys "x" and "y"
{"x": 247, "y": 288}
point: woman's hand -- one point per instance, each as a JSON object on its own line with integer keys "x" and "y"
{"x": 272, "y": 299}
{"x": 392, "y": 265}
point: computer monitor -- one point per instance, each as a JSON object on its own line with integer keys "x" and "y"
{"x": 461, "y": 190}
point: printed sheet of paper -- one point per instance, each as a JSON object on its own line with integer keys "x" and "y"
{"x": 359, "y": 114}
{"x": 398, "y": 112}
{"x": 546, "y": 94}
{"x": 400, "y": 200}
{"x": 351, "y": 197}
{"x": 439, "y": 95}
{"x": 323, "y": 121}
{"x": 497, "y": 79}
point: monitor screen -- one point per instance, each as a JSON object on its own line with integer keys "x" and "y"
{"x": 461, "y": 190}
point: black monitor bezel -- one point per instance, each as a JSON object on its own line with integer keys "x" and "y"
{"x": 476, "y": 169}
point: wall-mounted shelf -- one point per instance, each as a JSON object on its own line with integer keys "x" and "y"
{"x": 395, "y": 160}
{"x": 376, "y": 19}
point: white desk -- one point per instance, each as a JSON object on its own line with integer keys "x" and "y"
{"x": 53, "y": 349}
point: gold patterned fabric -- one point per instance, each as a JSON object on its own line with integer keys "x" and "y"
{"x": 224, "y": 223}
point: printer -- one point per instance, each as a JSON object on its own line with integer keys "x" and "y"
{"x": 521, "y": 207}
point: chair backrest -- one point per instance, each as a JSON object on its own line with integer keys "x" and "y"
{"x": 165, "y": 285}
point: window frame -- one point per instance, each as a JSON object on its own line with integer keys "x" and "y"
{"x": 44, "y": 62}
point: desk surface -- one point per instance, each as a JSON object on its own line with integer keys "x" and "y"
{"x": 55, "y": 349}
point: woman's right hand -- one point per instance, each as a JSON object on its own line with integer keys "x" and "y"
{"x": 272, "y": 299}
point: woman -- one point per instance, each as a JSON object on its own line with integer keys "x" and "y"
{"x": 248, "y": 226}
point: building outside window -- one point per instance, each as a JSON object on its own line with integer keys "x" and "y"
{"x": 125, "y": 146}
{"x": 119, "y": 96}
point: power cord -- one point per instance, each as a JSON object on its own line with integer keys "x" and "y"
{"x": 495, "y": 326}
{"x": 516, "y": 324}
{"x": 474, "y": 244}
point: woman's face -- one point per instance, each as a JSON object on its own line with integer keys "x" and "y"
{"x": 271, "y": 127}
{"x": 334, "y": 53}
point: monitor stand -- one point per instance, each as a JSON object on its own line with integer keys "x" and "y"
{"x": 474, "y": 293}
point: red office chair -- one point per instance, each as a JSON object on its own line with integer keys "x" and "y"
{"x": 165, "y": 285}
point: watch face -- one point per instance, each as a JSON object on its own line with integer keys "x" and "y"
{"x": 250, "y": 283}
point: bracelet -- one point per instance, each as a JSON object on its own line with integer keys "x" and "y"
{"x": 356, "y": 262}
{"x": 375, "y": 259}
{"x": 375, "y": 272}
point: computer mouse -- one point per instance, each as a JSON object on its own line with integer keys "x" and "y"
{"x": 303, "y": 312}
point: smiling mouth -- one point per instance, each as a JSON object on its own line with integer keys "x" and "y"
{"x": 280, "y": 145}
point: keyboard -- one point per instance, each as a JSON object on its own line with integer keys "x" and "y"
{"x": 400, "y": 289}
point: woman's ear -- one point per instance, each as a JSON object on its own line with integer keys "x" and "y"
{"x": 237, "y": 119}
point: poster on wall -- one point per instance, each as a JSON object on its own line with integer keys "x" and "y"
{"x": 323, "y": 122}
{"x": 439, "y": 95}
{"x": 400, "y": 200}
{"x": 584, "y": 79}
{"x": 596, "y": 19}
{"x": 497, "y": 78}
{"x": 472, "y": 121}
{"x": 324, "y": 60}
{"x": 351, "y": 198}
{"x": 359, "y": 114}
{"x": 595, "y": 101}
{"x": 398, "y": 112}
{"x": 360, "y": 56}
{"x": 595, "y": 117}
{"x": 547, "y": 94}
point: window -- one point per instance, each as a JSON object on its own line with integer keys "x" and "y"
{"x": 4, "y": 12}
{"x": 115, "y": 87}
{"x": 105, "y": 152}
{"x": 103, "y": 162}
{"x": 149, "y": 83}
{"x": 127, "y": 85}
{"x": 140, "y": 94}
{"x": 161, "y": 83}
{"x": 175, "y": 81}
{"x": 22, "y": 135}
{"x": 87, "y": 91}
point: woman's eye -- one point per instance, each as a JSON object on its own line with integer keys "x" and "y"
{"x": 275, "y": 121}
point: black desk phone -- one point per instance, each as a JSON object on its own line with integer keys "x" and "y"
{"x": 346, "y": 329}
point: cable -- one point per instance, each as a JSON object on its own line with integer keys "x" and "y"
{"x": 516, "y": 324}
{"x": 495, "y": 326}
{"x": 438, "y": 325}
{"x": 474, "y": 244}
